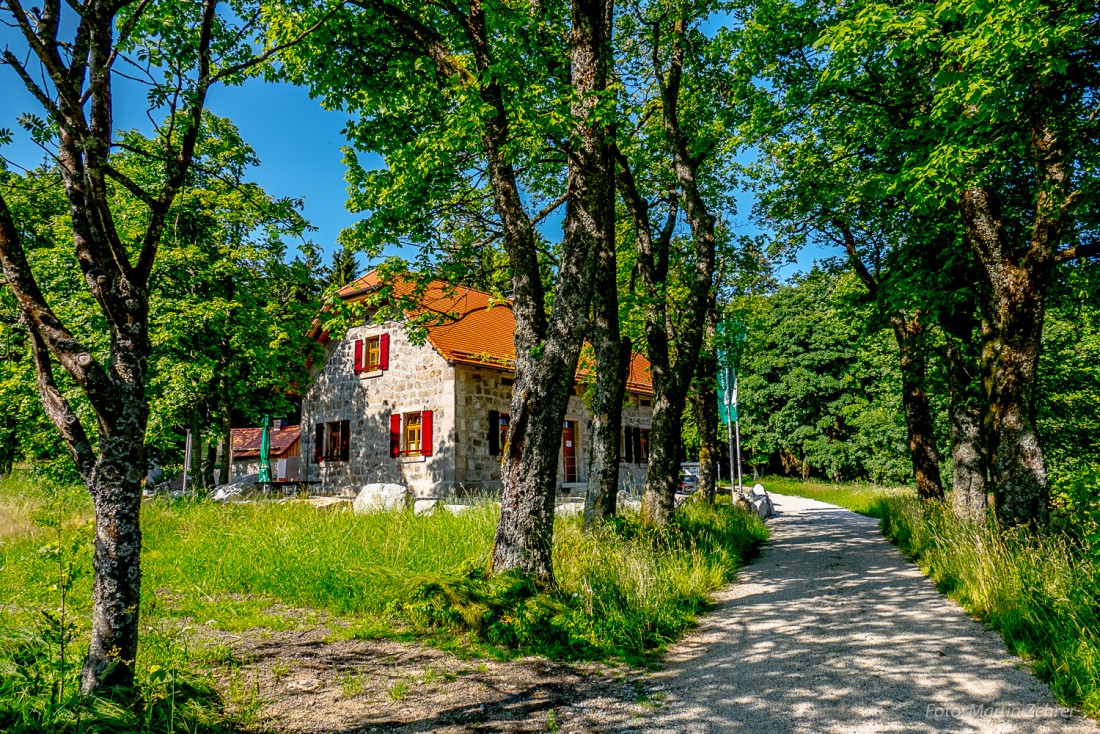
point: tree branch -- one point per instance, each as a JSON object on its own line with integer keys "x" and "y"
{"x": 849, "y": 241}
{"x": 261, "y": 58}
{"x": 41, "y": 319}
{"x": 1078, "y": 252}
{"x": 58, "y": 409}
{"x": 422, "y": 35}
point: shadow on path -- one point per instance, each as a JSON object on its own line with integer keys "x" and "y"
{"x": 832, "y": 630}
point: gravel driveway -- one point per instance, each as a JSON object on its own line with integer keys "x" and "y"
{"x": 832, "y": 630}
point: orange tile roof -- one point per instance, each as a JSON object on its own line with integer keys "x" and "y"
{"x": 476, "y": 328}
{"x": 246, "y": 441}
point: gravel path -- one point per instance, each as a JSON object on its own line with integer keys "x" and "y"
{"x": 832, "y": 630}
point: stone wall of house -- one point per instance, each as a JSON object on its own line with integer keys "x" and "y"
{"x": 417, "y": 379}
{"x": 637, "y": 413}
{"x": 479, "y": 390}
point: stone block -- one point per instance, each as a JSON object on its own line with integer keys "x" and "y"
{"x": 380, "y": 498}
{"x": 425, "y": 507}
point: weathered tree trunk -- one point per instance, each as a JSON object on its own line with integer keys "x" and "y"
{"x": 990, "y": 348}
{"x": 966, "y": 413}
{"x": 612, "y": 365}
{"x": 673, "y": 350}
{"x": 227, "y": 450}
{"x": 918, "y": 412}
{"x": 1017, "y": 467}
{"x": 116, "y": 591}
{"x": 547, "y": 353}
{"x": 705, "y": 404}
{"x": 8, "y": 445}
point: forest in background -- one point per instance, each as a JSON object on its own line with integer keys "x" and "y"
{"x": 821, "y": 390}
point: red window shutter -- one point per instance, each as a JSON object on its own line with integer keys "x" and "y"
{"x": 318, "y": 442}
{"x": 358, "y": 356}
{"x": 395, "y": 435}
{"x": 426, "y": 433}
{"x": 494, "y": 433}
{"x": 384, "y": 352}
{"x": 345, "y": 435}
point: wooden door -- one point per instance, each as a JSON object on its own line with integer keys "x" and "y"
{"x": 569, "y": 450}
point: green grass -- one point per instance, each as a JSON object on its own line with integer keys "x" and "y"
{"x": 625, "y": 591}
{"x": 862, "y": 498}
{"x": 1041, "y": 592}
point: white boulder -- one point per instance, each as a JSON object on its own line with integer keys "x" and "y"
{"x": 424, "y": 507}
{"x": 381, "y": 497}
{"x": 239, "y": 488}
{"x": 569, "y": 509}
{"x": 761, "y": 502}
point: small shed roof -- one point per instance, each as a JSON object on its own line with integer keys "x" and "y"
{"x": 246, "y": 441}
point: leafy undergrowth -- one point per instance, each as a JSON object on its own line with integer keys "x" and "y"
{"x": 1041, "y": 592}
{"x": 625, "y": 591}
{"x": 862, "y": 498}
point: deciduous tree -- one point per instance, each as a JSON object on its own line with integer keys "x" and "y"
{"x": 181, "y": 50}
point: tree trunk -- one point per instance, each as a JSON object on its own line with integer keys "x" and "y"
{"x": 1017, "y": 467}
{"x": 671, "y": 380}
{"x": 705, "y": 404}
{"x": 918, "y": 411}
{"x": 7, "y": 446}
{"x": 547, "y": 353}
{"x": 116, "y": 592}
{"x": 1018, "y": 470}
{"x": 613, "y": 355}
{"x": 209, "y": 462}
{"x": 662, "y": 476}
{"x": 194, "y": 469}
{"x": 968, "y": 445}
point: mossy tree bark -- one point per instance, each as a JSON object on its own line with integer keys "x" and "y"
{"x": 612, "y": 363}
{"x": 966, "y": 410}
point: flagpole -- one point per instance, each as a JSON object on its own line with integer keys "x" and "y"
{"x": 737, "y": 435}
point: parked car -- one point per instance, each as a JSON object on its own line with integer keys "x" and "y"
{"x": 689, "y": 477}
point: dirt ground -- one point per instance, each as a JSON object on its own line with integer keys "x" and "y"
{"x": 303, "y": 683}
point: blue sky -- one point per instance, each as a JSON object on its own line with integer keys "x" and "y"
{"x": 298, "y": 143}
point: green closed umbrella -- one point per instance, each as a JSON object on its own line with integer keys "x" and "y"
{"x": 265, "y": 449}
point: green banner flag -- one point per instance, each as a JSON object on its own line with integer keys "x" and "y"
{"x": 731, "y": 337}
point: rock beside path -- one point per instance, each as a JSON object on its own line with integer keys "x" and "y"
{"x": 381, "y": 497}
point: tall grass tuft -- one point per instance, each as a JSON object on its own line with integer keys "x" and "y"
{"x": 1041, "y": 592}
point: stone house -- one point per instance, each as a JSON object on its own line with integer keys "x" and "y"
{"x": 431, "y": 413}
